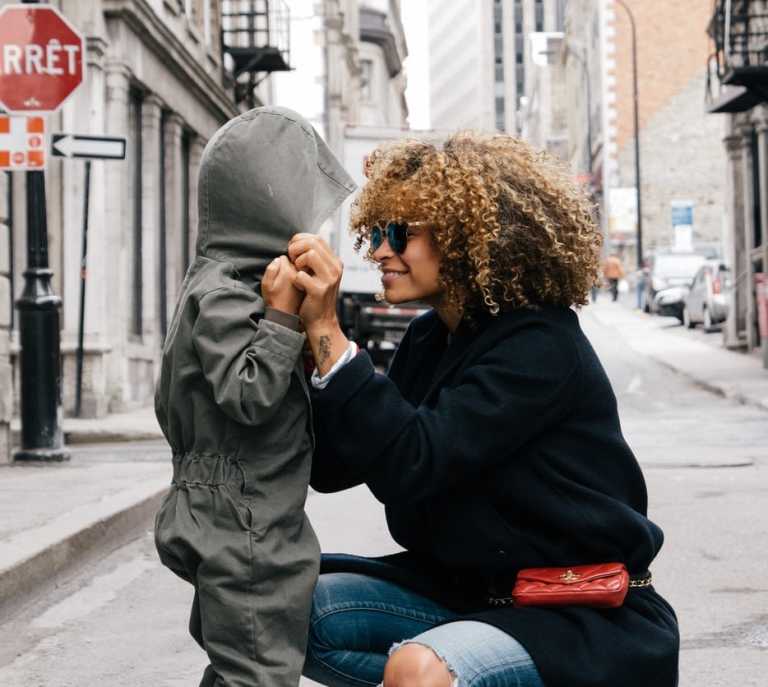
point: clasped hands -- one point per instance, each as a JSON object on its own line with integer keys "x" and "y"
{"x": 306, "y": 283}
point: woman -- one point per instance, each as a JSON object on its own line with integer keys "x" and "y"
{"x": 494, "y": 440}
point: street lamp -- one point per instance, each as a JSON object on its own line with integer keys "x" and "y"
{"x": 637, "y": 136}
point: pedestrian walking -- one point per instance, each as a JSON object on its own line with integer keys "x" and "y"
{"x": 613, "y": 271}
{"x": 493, "y": 441}
{"x": 233, "y": 402}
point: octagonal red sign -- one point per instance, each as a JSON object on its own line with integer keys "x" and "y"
{"x": 42, "y": 58}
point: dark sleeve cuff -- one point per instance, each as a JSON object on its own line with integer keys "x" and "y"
{"x": 283, "y": 318}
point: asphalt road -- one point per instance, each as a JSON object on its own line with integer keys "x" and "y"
{"x": 122, "y": 620}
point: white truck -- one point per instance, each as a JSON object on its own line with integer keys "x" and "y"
{"x": 371, "y": 323}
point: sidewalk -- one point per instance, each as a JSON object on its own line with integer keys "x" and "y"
{"x": 55, "y": 516}
{"x": 733, "y": 375}
{"x": 132, "y": 426}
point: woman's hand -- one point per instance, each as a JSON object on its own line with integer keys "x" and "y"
{"x": 277, "y": 286}
{"x": 319, "y": 276}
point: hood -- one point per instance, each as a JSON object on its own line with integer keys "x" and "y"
{"x": 264, "y": 176}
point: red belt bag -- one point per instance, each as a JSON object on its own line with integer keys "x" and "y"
{"x": 601, "y": 586}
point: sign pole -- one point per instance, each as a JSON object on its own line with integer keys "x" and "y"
{"x": 83, "y": 277}
{"x": 41, "y": 434}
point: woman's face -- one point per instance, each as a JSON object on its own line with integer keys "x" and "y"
{"x": 413, "y": 274}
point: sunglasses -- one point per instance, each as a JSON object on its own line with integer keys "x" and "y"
{"x": 396, "y": 234}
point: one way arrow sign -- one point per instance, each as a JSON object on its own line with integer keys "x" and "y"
{"x": 90, "y": 147}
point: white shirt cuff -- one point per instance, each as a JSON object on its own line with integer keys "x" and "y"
{"x": 319, "y": 382}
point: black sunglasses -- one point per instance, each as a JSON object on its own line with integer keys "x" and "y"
{"x": 396, "y": 234}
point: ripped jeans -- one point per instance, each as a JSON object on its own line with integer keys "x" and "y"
{"x": 357, "y": 620}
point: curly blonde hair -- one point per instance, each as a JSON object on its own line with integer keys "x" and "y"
{"x": 512, "y": 229}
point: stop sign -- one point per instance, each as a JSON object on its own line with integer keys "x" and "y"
{"x": 41, "y": 58}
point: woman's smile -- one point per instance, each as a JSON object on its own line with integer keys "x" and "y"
{"x": 390, "y": 277}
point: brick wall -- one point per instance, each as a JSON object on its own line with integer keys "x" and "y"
{"x": 672, "y": 48}
{"x": 682, "y": 155}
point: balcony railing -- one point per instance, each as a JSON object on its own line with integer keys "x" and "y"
{"x": 256, "y": 34}
{"x": 739, "y": 31}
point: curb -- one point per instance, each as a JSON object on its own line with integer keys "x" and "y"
{"x": 28, "y": 576}
{"x": 99, "y": 436}
{"x": 712, "y": 387}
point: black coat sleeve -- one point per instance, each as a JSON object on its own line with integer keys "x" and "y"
{"x": 509, "y": 394}
{"x": 330, "y": 475}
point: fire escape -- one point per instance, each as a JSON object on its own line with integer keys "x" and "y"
{"x": 256, "y": 35}
{"x": 739, "y": 31}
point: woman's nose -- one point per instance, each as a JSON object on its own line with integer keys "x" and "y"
{"x": 383, "y": 252}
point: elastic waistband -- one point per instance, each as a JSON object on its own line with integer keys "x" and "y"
{"x": 206, "y": 469}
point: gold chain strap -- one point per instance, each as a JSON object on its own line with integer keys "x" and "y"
{"x": 645, "y": 582}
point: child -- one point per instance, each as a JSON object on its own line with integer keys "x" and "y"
{"x": 232, "y": 401}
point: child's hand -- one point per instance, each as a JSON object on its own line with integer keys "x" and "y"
{"x": 277, "y": 287}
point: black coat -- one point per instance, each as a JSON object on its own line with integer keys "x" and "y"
{"x": 496, "y": 451}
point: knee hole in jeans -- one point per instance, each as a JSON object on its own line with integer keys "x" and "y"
{"x": 412, "y": 664}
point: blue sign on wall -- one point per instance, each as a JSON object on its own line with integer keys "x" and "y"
{"x": 682, "y": 213}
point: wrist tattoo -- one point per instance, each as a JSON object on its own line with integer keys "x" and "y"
{"x": 324, "y": 346}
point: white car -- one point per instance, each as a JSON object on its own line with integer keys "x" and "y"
{"x": 706, "y": 301}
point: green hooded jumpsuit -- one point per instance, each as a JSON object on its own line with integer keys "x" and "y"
{"x": 233, "y": 403}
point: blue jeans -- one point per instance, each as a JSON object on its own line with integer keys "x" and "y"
{"x": 357, "y": 620}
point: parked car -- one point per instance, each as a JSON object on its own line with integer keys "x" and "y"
{"x": 706, "y": 300}
{"x": 670, "y": 302}
{"x": 669, "y": 270}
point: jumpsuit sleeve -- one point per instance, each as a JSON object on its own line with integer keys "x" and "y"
{"x": 247, "y": 360}
{"x": 406, "y": 453}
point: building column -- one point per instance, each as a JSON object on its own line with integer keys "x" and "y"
{"x": 196, "y": 147}
{"x": 734, "y": 235}
{"x": 90, "y": 98}
{"x": 117, "y": 237}
{"x": 151, "y": 113}
{"x": 747, "y": 266}
{"x": 761, "y": 125}
{"x": 174, "y": 256}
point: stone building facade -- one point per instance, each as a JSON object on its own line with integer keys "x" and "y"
{"x": 582, "y": 57}
{"x": 543, "y": 117}
{"x": 680, "y": 157}
{"x": 154, "y": 76}
{"x": 737, "y": 97}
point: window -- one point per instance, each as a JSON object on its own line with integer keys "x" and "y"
{"x": 539, "y": 9}
{"x": 500, "y": 113}
{"x": 137, "y": 286}
{"x": 366, "y": 80}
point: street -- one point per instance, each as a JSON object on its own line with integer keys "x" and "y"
{"x": 122, "y": 620}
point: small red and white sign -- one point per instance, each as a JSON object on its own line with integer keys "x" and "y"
{"x": 22, "y": 142}
{"x": 42, "y": 58}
